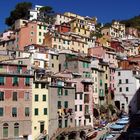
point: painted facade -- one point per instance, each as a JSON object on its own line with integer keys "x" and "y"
{"x": 16, "y": 99}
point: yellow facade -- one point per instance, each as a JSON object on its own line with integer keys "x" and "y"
{"x": 80, "y": 27}
{"x": 41, "y": 104}
{"x": 41, "y": 30}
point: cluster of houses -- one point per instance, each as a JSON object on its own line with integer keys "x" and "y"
{"x": 54, "y": 78}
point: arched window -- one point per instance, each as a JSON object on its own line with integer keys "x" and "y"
{"x": 16, "y": 129}
{"x": 5, "y": 130}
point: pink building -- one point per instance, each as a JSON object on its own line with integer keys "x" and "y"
{"x": 32, "y": 33}
{"x": 15, "y": 101}
{"x": 27, "y": 35}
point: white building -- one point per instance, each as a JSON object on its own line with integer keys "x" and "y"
{"x": 116, "y": 30}
{"x": 127, "y": 84}
{"x": 60, "y": 18}
{"x": 34, "y": 12}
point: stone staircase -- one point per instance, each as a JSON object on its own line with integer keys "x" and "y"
{"x": 68, "y": 130}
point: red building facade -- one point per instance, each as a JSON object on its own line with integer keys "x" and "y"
{"x": 15, "y": 101}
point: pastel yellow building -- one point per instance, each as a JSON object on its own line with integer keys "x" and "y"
{"x": 39, "y": 109}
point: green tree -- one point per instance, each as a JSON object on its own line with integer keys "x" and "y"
{"x": 47, "y": 15}
{"x": 21, "y": 11}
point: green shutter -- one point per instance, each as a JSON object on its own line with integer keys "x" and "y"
{"x": 27, "y": 81}
{"x": 44, "y": 27}
{"x": 14, "y": 110}
{"x": 101, "y": 83}
{"x": 19, "y": 68}
{"x": 66, "y": 104}
{"x": 16, "y": 131}
{"x": 15, "y": 79}
{"x": 36, "y": 111}
{"x": 5, "y": 132}
{"x": 59, "y": 91}
{"x": 59, "y": 104}
{"x": 27, "y": 111}
{"x": 66, "y": 92}
{"x": 44, "y": 97}
{"x": 1, "y": 80}
{"x": 36, "y": 97}
{"x": 45, "y": 111}
{"x": 1, "y": 96}
{"x": 1, "y": 111}
{"x": 83, "y": 64}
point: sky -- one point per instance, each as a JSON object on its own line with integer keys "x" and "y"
{"x": 104, "y": 10}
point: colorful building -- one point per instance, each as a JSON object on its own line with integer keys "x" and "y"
{"x": 16, "y": 101}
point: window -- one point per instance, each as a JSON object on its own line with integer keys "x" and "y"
{"x": 75, "y": 95}
{"x": 39, "y": 33}
{"x": 75, "y": 107}
{"x": 59, "y": 91}
{"x": 36, "y": 98}
{"x": 14, "y": 112}
{"x": 15, "y": 81}
{"x": 44, "y": 27}
{"x": 127, "y": 89}
{"x": 66, "y": 104}
{"x": 27, "y": 81}
{"x": 80, "y": 107}
{"x": 56, "y": 57}
{"x": 106, "y": 76}
{"x": 86, "y": 98}
{"x": 54, "y": 39}
{"x": 45, "y": 111}
{"x": 14, "y": 96}
{"x": 86, "y": 87}
{"x": 85, "y": 65}
{"x": 66, "y": 92}
{"x": 43, "y": 85}
{"x": 36, "y": 111}
{"x": 44, "y": 97}
{"x": 39, "y": 40}
{"x": 36, "y": 85}
{"x": 120, "y": 89}
{"x": 1, "y": 96}
{"x": 39, "y": 26}
{"x": 1, "y": 80}
{"x": 27, "y": 111}
{"x": 120, "y": 81}
{"x": 81, "y": 96}
{"x": 5, "y": 130}
{"x": 32, "y": 33}
{"x": 16, "y": 129}
{"x": 26, "y": 96}
{"x": 51, "y": 56}
{"x": 1, "y": 111}
{"x": 119, "y": 73}
{"x": 52, "y": 65}
{"x": 126, "y": 81}
{"x": 101, "y": 83}
{"x": 66, "y": 123}
{"x": 59, "y": 104}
